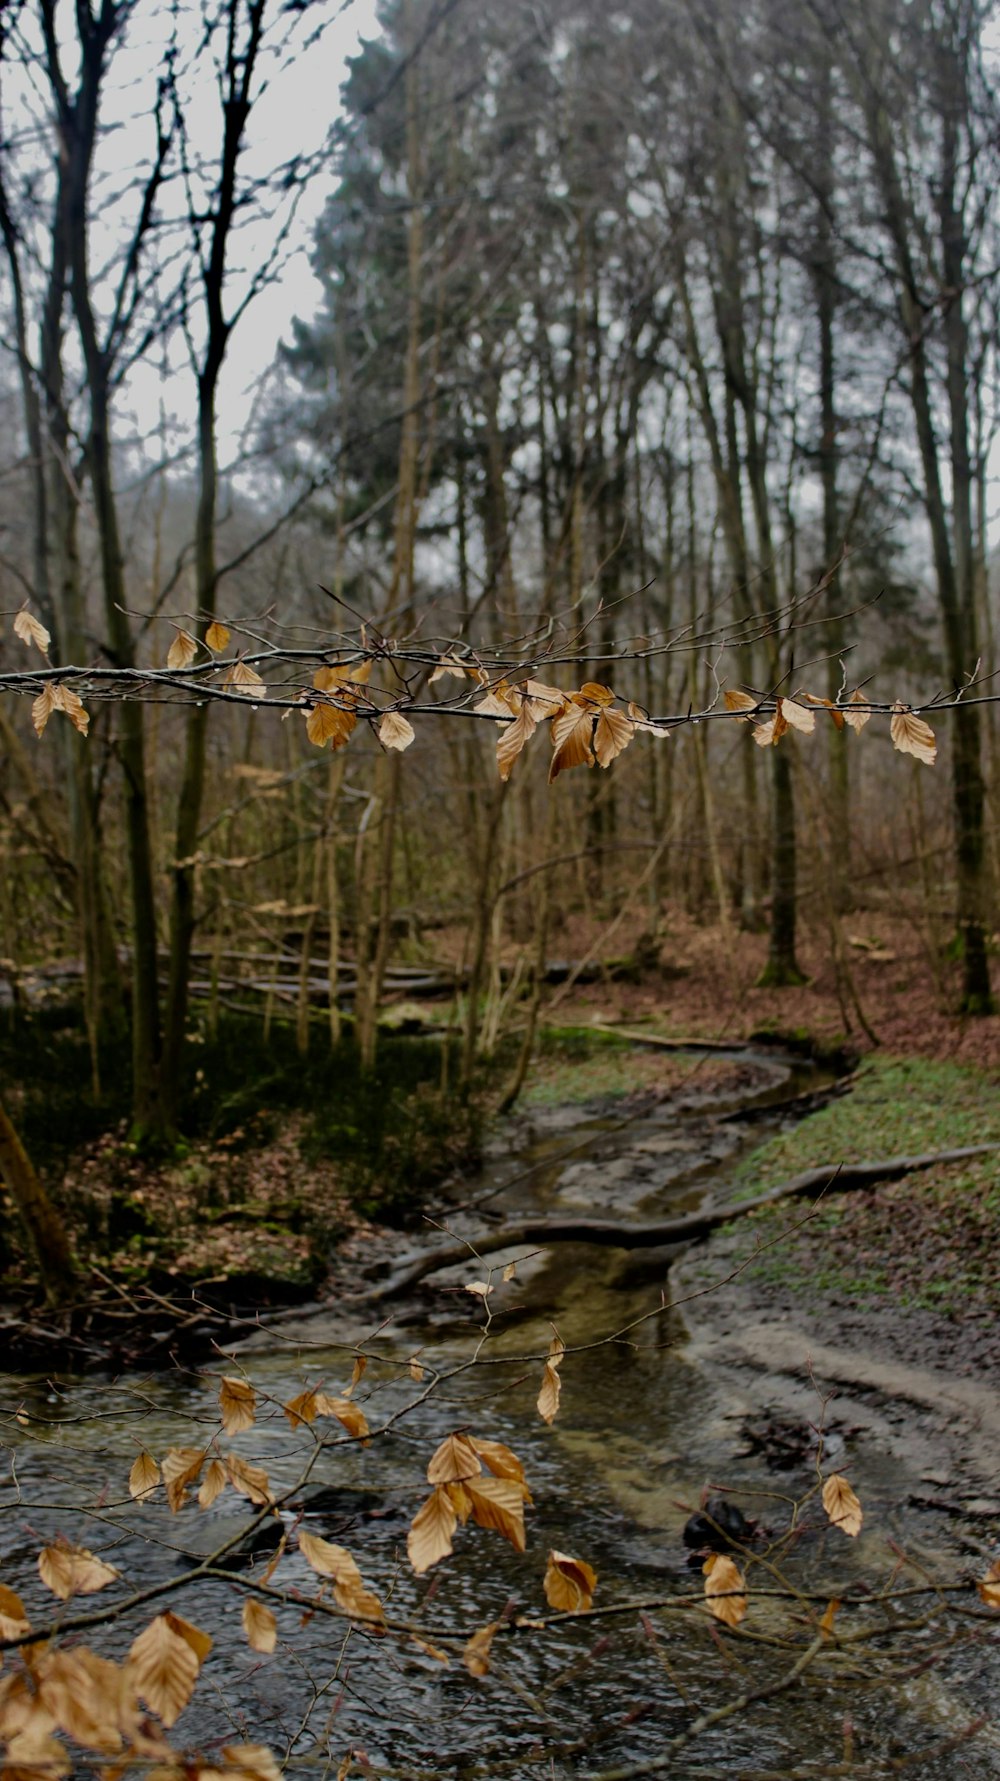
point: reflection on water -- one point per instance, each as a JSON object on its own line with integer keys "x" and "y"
{"x": 641, "y": 1429}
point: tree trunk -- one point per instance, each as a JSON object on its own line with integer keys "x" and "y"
{"x": 42, "y": 1224}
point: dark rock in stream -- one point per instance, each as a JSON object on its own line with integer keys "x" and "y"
{"x": 720, "y": 1526}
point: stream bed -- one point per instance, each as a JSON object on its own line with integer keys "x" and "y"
{"x": 649, "y": 1421}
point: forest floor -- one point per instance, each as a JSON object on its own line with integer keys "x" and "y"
{"x": 252, "y": 1213}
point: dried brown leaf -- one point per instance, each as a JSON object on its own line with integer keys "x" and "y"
{"x": 433, "y": 1651}
{"x": 328, "y": 723}
{"x": 842, "y": 1505}
{"x": 237, "y": 1404}
{"x": 90, "y": 1698}
{"x": 182, "y": 651}
{"x": 43, "y": 707}
{"x": 73, "y": 1570}
{"x": 217, "y": 636}
{"x": 989, "y": 1586}
{"x": 509, "y": 1272}
{"x": 144, "y": 1476}
{"x": 31, "y": 630}
{"x": 737, "y": 701}
{"x": 249, "y": 1762}
{"x": 725, "y": 1589}
{"x": 827, "y": 704}
{"x": 357, "y": 1373}
{"x": 416, "y": 1370}
{"x": 429, "y": 1538}
{"x": 241, "y": 678}
{"x": 912, "y": 736}
{"x": 164, "y": 1664}
{"x": 250, "y": 1481}
{"x": 572, "y": 737}
{"x": 180, "y": 1467}
{"x": 480, "y": 1288}
{"x": 772, "y": 730}
{"x": 13, "y": 1616}
{"x": 498, "y": 1503}
{"x": 213, "y": 1484}
{"x": 260, "y": 1626}
{"x": 455, "y": 1460}
{"x": 476, "y": 1653}
{"x": 503, "y": 1463}
{"x": 350, "y": 1415}
{"x": 569, "y": 1583}
{"x": 612, "y": 734}
{"x": 857, "y": 719}
{"x": 301, "y": 1410}
{"x": 513, "y": 737}
{"x": 797, "y": 717}
{"x": 395, "y": 731}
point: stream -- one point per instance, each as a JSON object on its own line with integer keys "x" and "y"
{"x": 646, "y": 1421}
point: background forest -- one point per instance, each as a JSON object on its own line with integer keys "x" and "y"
{"x": 656, "y": 350}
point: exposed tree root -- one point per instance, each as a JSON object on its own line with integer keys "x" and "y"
{"x": 694, "y": 1226}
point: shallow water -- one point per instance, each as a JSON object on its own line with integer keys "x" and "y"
{"x": 642, "y": 1428}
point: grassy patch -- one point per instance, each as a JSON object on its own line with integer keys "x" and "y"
{"x": 898, "y": 1106}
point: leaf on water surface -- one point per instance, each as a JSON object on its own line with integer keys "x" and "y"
{"x": 842, "y": 1505}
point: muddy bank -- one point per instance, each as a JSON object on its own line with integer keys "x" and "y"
{"x": 761, "y": 1304}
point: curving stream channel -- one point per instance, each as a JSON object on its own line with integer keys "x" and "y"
{"x": 647, "y": 1419}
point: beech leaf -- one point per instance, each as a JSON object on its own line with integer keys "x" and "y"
{"x": 455, "y": 1460}
{"x": 260, "y": 1626}
{"x": 180, "y": 1467}
{"x": 395, "y": 731}
{"x": 725, "y": 1589}
{"x": 182, "y": 651}
{"x": 548, "y": 1397}
{"x": 989, "y": 1586}
{"x": 503, "y": 1463}
{"x": 857, "y": 719}
{"x": 301, "y": 1410}
{"x": 238, "y": 1404}
{"x": 842, "y": 1505}
{"x": 144, "y": 1476}
{"x": 797, "y": 717}
{"x": 164, "y": 1662}
{"x": 569, "y": 1583}
{"x": 241, "y": 678}
{"x": 612, "y": 734}
{"x": 250, "y": 1481}
{"x": 213, "y": 1484}
{"x": 31, "y": 630}
{"x": 217, "y": 636}
{"x": 429, "y": 1538}
{"x": 351, "y": 1416}
{"x": 476, "y": 1653}
{"x": 13, "y": 1618}
{"x": 910, "y": 735}
{"x": 572, "y": 738}
{"x": 737, "y": 701}
{"x": 498, "y": 1503}
{"x": 73, "y": 1570}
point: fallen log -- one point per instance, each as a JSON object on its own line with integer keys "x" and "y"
{"x": 691, "y": 1228}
